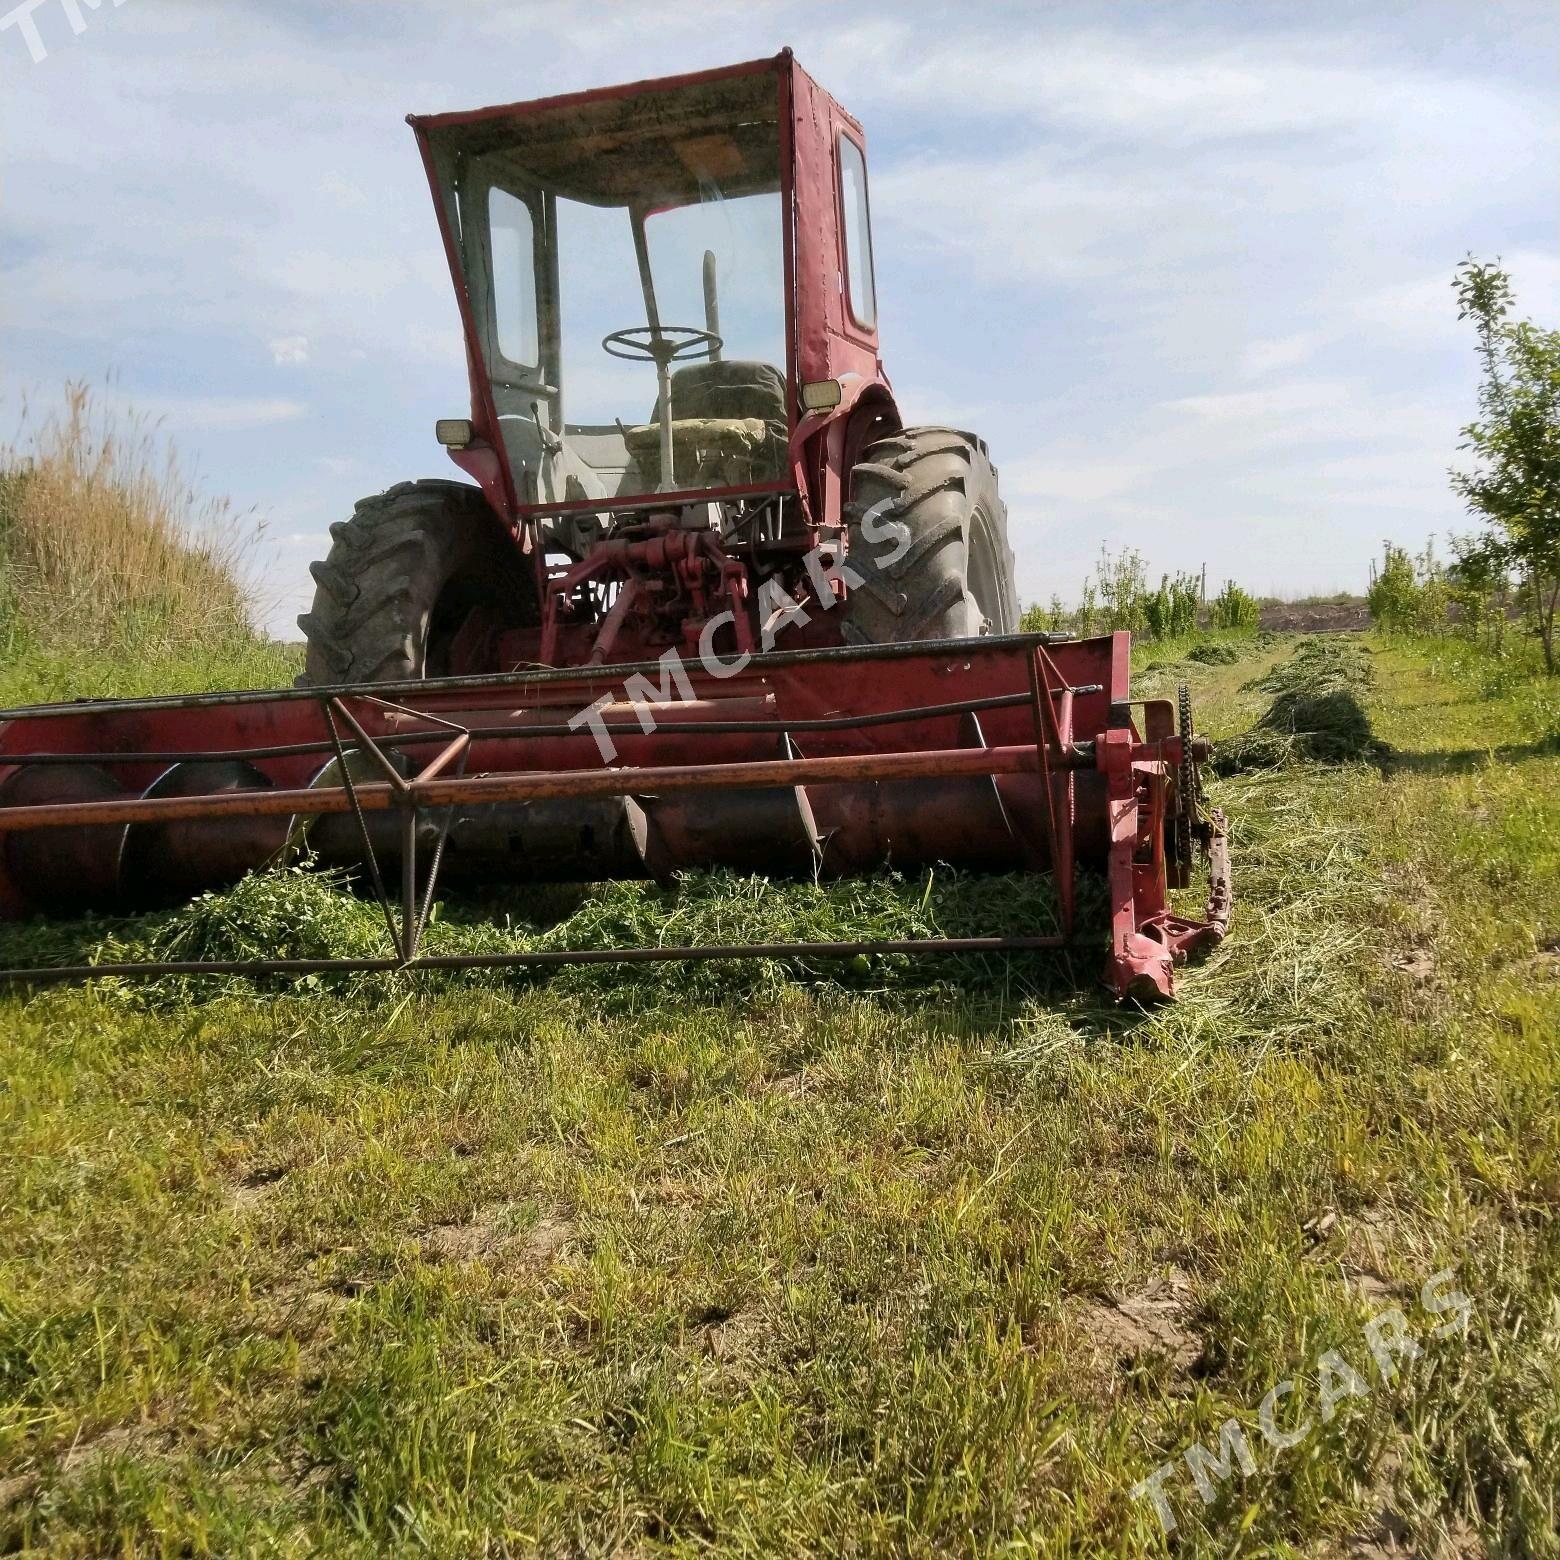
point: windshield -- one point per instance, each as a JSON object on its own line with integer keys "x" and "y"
{"x": 737, "y": 240}
{"x": 626, "y": 260}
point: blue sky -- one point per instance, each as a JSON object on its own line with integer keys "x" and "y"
{"x": 1185, "y": 266}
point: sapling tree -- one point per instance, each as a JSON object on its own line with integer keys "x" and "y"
{"x": 1514, "y": 484}
{"x": 1235, "y": 610}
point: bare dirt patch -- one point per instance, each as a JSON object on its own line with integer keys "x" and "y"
{"x": 1324, "y": 618}
{"x": 253, "y": 1189}
{"x": 490, "y": 1232}
{"x": 1545, "y": 962}
{"x": 136, "y": 1441}
{"x": 1151, "y": 1325}
{"x": 1370, "y": 1284}
{"x": 794, "y": 1085}
{"x": 732, "y": 1339}
{"x": 1387, "y": 1536}
{"x": 1418, "y": 964}
{"x": 1389, "y": 1539}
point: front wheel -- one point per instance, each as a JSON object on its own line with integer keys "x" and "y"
{"x": 415, "y": 575}
{"x": 928, "y": 540}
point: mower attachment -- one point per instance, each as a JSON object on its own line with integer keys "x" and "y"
{"x": 1021, "y": 753}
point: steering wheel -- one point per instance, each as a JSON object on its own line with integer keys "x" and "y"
{"x": 665, "y": 344}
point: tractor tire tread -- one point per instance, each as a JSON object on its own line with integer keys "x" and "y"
{"x": 376, "y": 592}
{"x": 938, "y": 483}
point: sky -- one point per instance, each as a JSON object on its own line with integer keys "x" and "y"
{"x": 1185, "y": 267}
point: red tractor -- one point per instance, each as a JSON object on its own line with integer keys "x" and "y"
{"x": 709, "y": 603}
{"x": 681, "y": 428}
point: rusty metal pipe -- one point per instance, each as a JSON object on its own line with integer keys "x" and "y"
{"x": 538, "y": 677}
{"x": 480, "y": 789}
{"x": 393, "y": 776}
{"x": 684, "y": 728}
{"x": 444, "y": 758}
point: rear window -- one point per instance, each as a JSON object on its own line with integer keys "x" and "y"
{"x": 860, "y": 285}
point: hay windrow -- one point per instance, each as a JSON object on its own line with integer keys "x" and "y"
{"x": 1216, "y": 652}
{"x": 1317, "y": 713}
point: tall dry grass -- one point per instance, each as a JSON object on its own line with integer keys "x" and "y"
{"x": 106, "y": 543}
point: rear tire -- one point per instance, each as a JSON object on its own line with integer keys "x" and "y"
{"x": 404, "y": 576}
{"x": 955, "y": 578}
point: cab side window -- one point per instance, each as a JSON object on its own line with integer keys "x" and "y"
{"x": 860, "y": 283}
{"x": 512, "y": 233}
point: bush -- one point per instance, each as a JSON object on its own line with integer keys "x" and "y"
{"x": 1234, "y": 611}
{"x": 1171, "y": 611}
{"x": 1116, "y": 597}
{"x": 1054, "y": 619}
{"x": 1393, "y": 597}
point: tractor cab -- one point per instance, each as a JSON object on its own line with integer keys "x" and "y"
{"x": 681, "y": 434}
{"x": 625, "y": 261}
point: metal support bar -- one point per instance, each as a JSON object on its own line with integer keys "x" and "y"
{"x": 545, "y": 785}
{"x": 542, "y": 677}
{"x": 409, "y": 901}
{"x": 367, "y": 745}
{"x": 370, "y": 857}
{"x": 415, "y": 907}
{"x": 1040, "y": 691}
{"x": 685, "y": 728}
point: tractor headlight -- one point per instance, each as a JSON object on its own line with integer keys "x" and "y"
{"x": 455, "y": 433}
{"x": 822, "y": 395}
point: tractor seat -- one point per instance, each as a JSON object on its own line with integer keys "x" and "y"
{"x": 729, "y": 388}
{"x": 729, "y": 426}
{"x": 710, "y": 451}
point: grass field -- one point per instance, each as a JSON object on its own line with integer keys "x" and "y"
{"x": 840, "y": 1263}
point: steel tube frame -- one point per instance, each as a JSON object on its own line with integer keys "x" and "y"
{"x": 685, "y": 728}
{"x": 547, "y": 785}
{"x": 536, "y": 679}
{"x": 1147, "y": 939}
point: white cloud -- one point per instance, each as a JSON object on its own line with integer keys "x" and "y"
{"x": 218, "y": 414}
{"x": 290, "y": 351}
{"x": 1268, "y": 355}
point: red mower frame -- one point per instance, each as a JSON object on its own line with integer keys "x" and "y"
{"x": 1067, "y": 774}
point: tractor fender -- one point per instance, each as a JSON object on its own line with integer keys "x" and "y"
{"x": 827, "y": 444}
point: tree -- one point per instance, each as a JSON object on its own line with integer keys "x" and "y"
{"x": 1394, "y": 592}
{"x": 1515, "y": 483}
